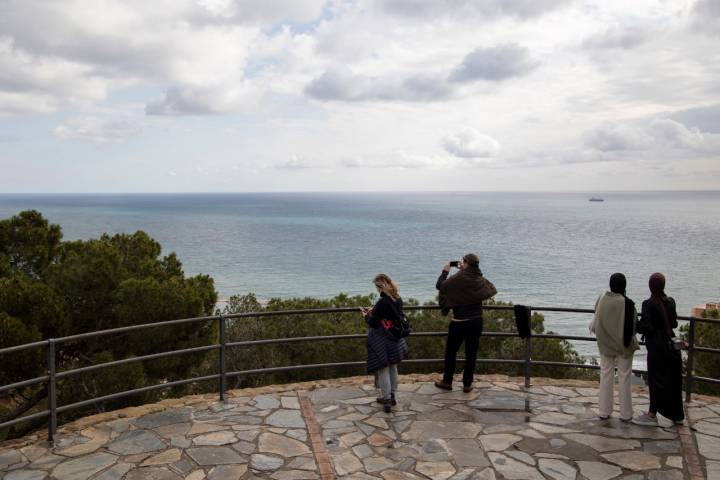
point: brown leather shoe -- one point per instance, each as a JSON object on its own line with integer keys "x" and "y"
{"x": 443, "y": 385}
{"x": 468, "y": 388}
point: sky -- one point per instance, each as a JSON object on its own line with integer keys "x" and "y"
{"x": 359, "y": 95}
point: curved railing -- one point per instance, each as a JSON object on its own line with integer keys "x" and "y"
{"x": 52, "y": 376}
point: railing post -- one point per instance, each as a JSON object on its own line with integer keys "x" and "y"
{"x": 528, "y": 356}
{"x": 223, "y": 371}
{"x": 690, "y": 360}
{"x": 52, "y": 390}
{"x": 528, "y": 361}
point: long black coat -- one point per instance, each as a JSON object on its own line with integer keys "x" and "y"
{"x": 663, "y": 363}
{"x": 382, "y": 351}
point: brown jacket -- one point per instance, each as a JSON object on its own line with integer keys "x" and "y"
{"x": 467, "y": 288}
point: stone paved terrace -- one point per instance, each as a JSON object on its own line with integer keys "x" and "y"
{"x": 334, "y": 429}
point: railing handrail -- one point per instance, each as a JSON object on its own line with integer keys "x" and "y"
{"x": 52, "y": 376}
{"x": 277, "y": 313}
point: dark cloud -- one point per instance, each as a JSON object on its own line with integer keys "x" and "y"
{"x": 265, "y": 12}
{"x": 616, "y": 37}
{"x": 611, "y": 137}
{"x": 706, "y": 16}
{"x": 522, "y": 9}
{"x": 706, "y": 119}
{"x": 342, "y": 84}
{"x": 494, "y": 64}
{"x": 181, "y": 100}
{"x": 175, "y": 101}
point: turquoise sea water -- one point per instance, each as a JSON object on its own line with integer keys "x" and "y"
{"x": 544, "y": 249}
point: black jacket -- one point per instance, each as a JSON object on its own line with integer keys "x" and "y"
{"x": 383, "y": 351}
{"x": 385, "y": 309}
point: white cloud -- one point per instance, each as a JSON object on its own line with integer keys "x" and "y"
{"x": 396, "y": 159}
{"x": 576, "y": 82}
{"x": 96, "y": 130}
{"x": 295, "y": 163}
{"x": 469, "y": 143}
{"x": 658, "y": 136}
{"x": 675, "y": 133}
{"x": 38, "y": 84}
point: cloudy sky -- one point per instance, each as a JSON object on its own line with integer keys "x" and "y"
{"x": 313, "y": 95}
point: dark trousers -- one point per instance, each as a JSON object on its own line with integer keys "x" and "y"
{"x": 469, "y": 332}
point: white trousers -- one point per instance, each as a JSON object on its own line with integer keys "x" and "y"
{"x": 607, "y": 378}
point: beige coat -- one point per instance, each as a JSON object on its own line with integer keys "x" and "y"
{"x": 607, "y": 325}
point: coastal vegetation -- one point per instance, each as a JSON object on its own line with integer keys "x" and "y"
{"x": 353, "y": 350}
{"x": 51, "y": 288}
{"x": 707, "y": 364}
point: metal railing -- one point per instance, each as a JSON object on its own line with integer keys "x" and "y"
{"x": 52, "y": 376}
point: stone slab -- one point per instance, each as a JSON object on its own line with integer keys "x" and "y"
{"x": 598, "y": 470}
{"x": 167, "y": 417}
{"x": 281, "y": 445}
{"x": 209, "y": 456}
{"x": 634, "y": 460}
{"x": 136, "y": 441}
{"x": 83, "y": 467}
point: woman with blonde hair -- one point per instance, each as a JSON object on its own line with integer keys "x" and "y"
{"x": 384, "y": 351}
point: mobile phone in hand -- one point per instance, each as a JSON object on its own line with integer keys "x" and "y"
{"x": 454, "y": 263}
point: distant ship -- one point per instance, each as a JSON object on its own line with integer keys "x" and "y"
{"x": 596, "y": 199}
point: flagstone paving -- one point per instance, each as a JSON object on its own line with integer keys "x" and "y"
{"x": 335, "y": 429}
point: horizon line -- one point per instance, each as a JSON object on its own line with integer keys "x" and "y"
{"x": 363, "y": 192}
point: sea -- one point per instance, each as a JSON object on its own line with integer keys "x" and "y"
{"x": 539, "y": 249}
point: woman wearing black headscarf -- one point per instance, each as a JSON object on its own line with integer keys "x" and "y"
{"x": 614, "y": 327}
{"x": 664, "y": 363}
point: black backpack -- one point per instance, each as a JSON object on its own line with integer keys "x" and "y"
{"x": 400, "y": 327}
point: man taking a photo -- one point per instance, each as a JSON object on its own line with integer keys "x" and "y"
{"x": 463, "y": 293}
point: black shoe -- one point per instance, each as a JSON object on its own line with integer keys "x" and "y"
{"x": 443, "y": 385}
{"x": 468, "y": 388}
{"x": 387, "y": 407}
{"x": 392, "y": 400}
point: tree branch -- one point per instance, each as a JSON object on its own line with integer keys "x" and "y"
{"x": 28, "y": 404}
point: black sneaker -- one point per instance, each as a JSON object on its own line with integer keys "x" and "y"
{"x": 392, "y": 400}
{"x": 387, "y": 407}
